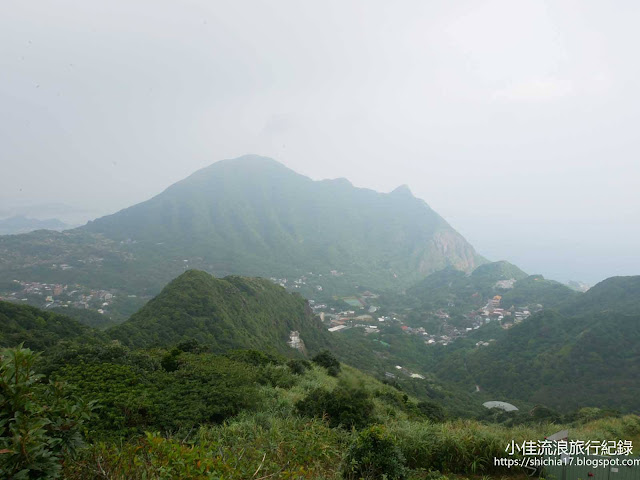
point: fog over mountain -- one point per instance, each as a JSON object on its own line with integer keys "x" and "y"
{"x": 249, "y": 216}
{"x": 514, "y": 120}
{"x": 21, "y": 224}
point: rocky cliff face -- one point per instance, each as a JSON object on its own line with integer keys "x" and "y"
{"x": 448, "y": 248}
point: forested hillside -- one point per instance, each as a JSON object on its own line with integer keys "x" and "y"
{"x": 227, "y": 313}
{"x": 465, "y": 291}
{"x": 583, "y": 352}
{"x": 38, "y": 329}
{"x": 186, "y": 412}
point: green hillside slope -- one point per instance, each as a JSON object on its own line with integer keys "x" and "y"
{"x": 39, "y": 329}
{"x": 465, "y": 291}
{"x": 228, "y": 313}
{"x": 586, "y": 352}
{"x": 535, "y": 289}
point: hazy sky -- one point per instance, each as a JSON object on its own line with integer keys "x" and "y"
{"x": 516, "y": 120}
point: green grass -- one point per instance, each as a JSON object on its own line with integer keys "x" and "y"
{"x": 273, "y": 441}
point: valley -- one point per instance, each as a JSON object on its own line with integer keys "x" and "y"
{"x": 252, "y": 304}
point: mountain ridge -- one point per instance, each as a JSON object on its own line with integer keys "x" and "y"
{"x": 250, "y": 216}
{"x": 280, "y": 213}
{"x": 224, "y": 313}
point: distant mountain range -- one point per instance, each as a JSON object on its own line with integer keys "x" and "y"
{"x": 22, "y": 224}
{"x": 249, "y": 216}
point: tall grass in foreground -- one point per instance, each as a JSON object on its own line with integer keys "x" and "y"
{"x": 283, "y": 446}
{"x": 469, "y": 447}
{"x": 255, "y": 447}
{"x": 275, "y": 442}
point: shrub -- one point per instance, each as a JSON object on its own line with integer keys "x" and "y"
{"x": 290, "y": 448}
{"x": 170, "y": 362}
{"x": 541, "y": 413}
{"x": 393, "y": 398}
{"x": 39, "y": 423}
{"x": 298, "y": 367}
{"x": 392, "y": 383}
{"x": 432, "y": 411}
{"x": 253, "y": 357}
{"x": 326, "y": 359}
{"x": 345, "y": 406}
{"x": 277, "y": 376}
{"x": 589, "y": 414}
{"x": 373, "y": 455}
{"x": 192, "y": 346}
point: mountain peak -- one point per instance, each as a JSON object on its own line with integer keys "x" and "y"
{"x": 500, "y": 270}
{"x": 402, "y": 190}
{"x": 250, "y": 167}
{"x": 250, "y": 162}
{"x": 252, "y": 159}
{"x": 338, "y": 181}
{"x": 254, "y": 216}
{"x": 223, "y": 313}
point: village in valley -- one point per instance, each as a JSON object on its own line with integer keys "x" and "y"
{"x": 367, "y": 311}
{"x": 48, "y": 295}
{"x": 354, "y": 318}
{"x": 111, "y": 304}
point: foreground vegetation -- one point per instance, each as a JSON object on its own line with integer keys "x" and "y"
{"x": 188, "y": 413}
{"x": 202, "y": 384}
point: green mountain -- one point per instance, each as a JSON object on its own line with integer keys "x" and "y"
{"x": 249, "y": 216}
{"x": 496, "y": 271}
{"x": 617, "y": 294}
{"x": 585, "y": 352}
{"x": 449, "y": 286}
{"x": 535, "y": 289}
{"x": 39, "y": 329}
{"x": 225, "y": 314}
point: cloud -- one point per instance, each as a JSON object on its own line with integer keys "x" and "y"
{"x": 278, "y": 124}
{"x": 536, "y": 90}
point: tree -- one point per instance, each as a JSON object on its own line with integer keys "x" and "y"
{"x": 40, "y": 424}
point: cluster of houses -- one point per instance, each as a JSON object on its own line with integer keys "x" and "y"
{"x": 361, "y": 314}
{"x": 47, "y": 295}
{"x": 507, "y": 317}
{"x": 491, "y": 312}
{"x": 337, "y": 321}
{"x": 298, "y": 283}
